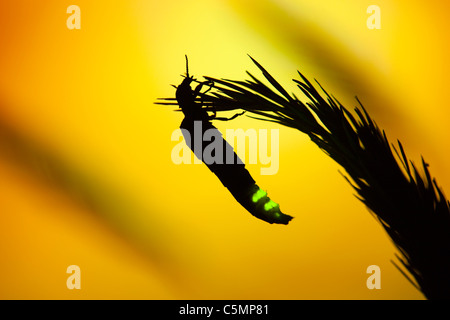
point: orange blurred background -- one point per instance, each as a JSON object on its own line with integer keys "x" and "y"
{"x": 86, "y": 176}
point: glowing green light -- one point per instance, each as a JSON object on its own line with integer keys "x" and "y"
{"x": 270, "y": 205}
{"x": 258, "y": 195}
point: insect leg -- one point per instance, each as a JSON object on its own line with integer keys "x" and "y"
{"x": 199, "y": 88}
{"x": 228, "y": 119}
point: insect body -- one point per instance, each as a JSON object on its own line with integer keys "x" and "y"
{"x": 234, "y": 176}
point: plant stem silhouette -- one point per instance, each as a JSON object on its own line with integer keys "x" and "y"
{"x": 409, "y": 204}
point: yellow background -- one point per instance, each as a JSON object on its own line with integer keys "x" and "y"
{"x": 86, "y": 176}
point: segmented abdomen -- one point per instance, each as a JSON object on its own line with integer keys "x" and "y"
{"x": 234, "y": 176}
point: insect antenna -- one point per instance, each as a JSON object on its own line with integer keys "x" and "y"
{"x": 187, "y": 66}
